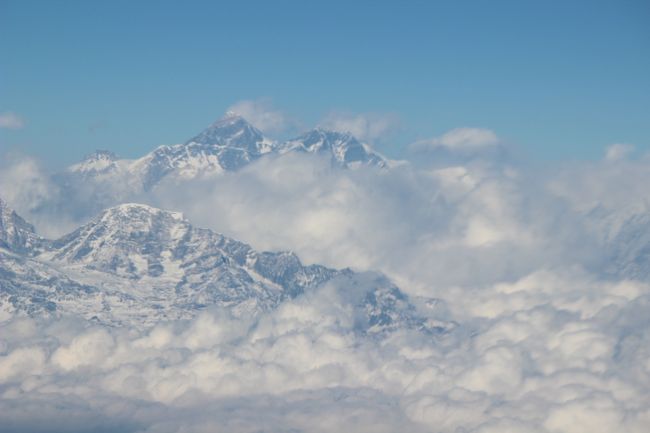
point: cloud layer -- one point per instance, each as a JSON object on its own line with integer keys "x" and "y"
{"x": 548, "y": 353}
{"x": 424, "y": 228}
{"x": 547, "y": 338}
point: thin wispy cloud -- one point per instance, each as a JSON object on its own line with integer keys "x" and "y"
{"x": 365, "y": 126}
{"x": 618, "y": 151}
{"x": 463, "y": 140}
{"x": 262, "y": 114}
{"x": 9, "y": 120}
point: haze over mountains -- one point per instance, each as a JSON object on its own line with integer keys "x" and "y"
{"x": 227, "y": 145}
{"x": 136, "y": 265}
{"x": 102, "y": 179}
{"x": 468, "y": 296}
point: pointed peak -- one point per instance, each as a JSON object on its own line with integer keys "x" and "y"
{"x": 345, "y": 148}
{"x": 99, "y": 161}
{"x": 125, "y": 207}
{"x": 232, "y": 130}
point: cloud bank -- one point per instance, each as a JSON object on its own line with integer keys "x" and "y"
{"x": 547, "y": 353}
{"x": 547, "y": 337}
{"x": 424, "y": 228}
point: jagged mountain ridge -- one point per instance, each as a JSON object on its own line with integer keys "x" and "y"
{"x": 96, "y": 163}
{"x": 226, "y": 145}
{"x": 16, "y": 234}
{"x": 103, "y": 180}
{"x": 139, "y": 265}
{"x": 138, "y": 242}
{"x": 345, "y": 150}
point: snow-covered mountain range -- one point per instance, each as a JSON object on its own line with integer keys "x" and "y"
{"x": 228, "y": 144}
{"x": 140, "y": 264}
{"x": 137, "y": 264}
{"x": 344, "y": 149}
{"x": 136, "y": 307}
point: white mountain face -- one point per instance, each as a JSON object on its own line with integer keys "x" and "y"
{"x": 97, "y": 163}
{"x": 227, "y": 145}
{"x": 16, "y": 234}
{"x": 138, "y": 265}
{"x": 345, "y": 149}
{"x": 102, "y": 180}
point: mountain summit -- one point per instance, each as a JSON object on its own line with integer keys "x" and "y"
{"x": 235, "y": 132}
{"x": 137, "y": 264}
{"x": 228, "y": 144}
{"x": 345, "y": 150}
{"x": 98, "y": 162}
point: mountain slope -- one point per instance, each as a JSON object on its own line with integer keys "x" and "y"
{"x": 102, "y": 180}
{"x": 137, "y": 264}
{"x": 16, "y": 234}
{"x": 228, "y": 144}
{"x": 165, "y": 256}
{"x": 343, "y": 148}
{"x": 97, "y": 163}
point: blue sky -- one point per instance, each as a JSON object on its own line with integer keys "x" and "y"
{"x": 559, "y": 79}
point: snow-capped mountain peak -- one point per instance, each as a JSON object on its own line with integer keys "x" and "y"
{"x": 345, "y": 149}
{"x": 137, "y": 212}
{"x": 140, "y": 264}
{"x": 227, "y": 144}
{"x": 233, "y": 131}
{"x": 100, "y": 161}
{"x": 123, "y": 239}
